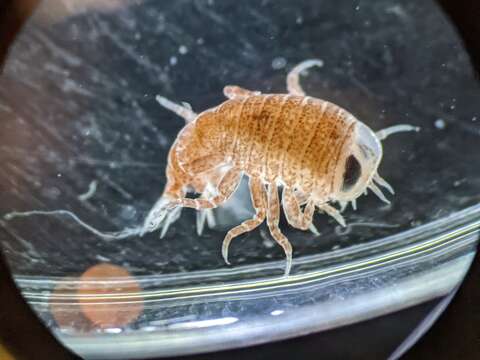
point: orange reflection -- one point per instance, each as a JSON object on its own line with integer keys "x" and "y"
{"x": 65, "y": 308}
{"x": 109, "y": 296}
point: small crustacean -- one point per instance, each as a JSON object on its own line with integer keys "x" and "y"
{"x": 318, "y": 152}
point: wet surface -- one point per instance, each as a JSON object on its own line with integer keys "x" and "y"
{"x": 77, "y": 108}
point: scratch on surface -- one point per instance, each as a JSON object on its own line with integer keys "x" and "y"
{"x": 472, "y": 129}
{"x": 348, "y": 229}
{"x": 92, "y": 188}
{"x": 130, "y": 51}
{"x": 52, "y": 130}
{"x": 212, "y": 15}
{"x": 27, "y": 244}
{"x": 362, "y": 87}
{"x": 115, "y": 163}
{"x": 116, "y": 187}
{"x": 57, "y": 50}
{"x": 28, "y": 177}
{"x": 72, "y": 86}
{"x": 52, "y": 67}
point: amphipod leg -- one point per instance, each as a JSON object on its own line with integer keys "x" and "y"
{"x": 302, "y": 199}
{"x": 382, "y": 182}
{"x": 376, "y": 190}
{"x": 293, "y": 77}
{"x": 237, "y": 92}
{"x": 273, "y": 217}
{"x": 294, "y": 214}
{"x": 330, "y": 210}
{"x": 206, "y": 215}
{"x": 384, "y": 133}
{"x": 171, "y": 217}
{"x": 181, "y": 110}
{"x": 226, "y": 188}
{"x": 259, "y": 202}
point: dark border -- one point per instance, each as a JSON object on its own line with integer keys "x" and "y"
{"x": 456, "y": 334}
{"x": 21, "y": 331}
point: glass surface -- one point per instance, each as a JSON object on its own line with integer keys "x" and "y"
{"x": 80, "y": 130}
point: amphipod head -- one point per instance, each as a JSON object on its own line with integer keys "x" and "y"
{"x": 357, "y": 168}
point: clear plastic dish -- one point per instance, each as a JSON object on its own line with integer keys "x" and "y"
{"x": 80, "y": 130}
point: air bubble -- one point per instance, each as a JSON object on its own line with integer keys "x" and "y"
{"x": 279, "y": 63}
{"x": 440, "y": 124}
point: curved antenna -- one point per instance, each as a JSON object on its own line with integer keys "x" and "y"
{"x": 293, "y": 77}
{"x": 384, "y": 133}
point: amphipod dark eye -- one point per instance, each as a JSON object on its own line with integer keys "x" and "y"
{"x": 352, "y": 173}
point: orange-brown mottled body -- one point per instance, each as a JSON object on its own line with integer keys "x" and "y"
{"x": 280, "y": 138}
{"x": 177, "y": 178}
{"x": 318, "y": 152}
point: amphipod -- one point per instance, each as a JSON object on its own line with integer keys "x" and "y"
{"x": 318, "y": 152}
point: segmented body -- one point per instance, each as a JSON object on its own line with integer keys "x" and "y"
{"x": 317, "y": 151}
{"x": 282, "y": 138}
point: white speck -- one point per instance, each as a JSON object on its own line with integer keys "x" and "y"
{"x": 137, "y": 36}
{"x": 474, "y": 118}
{"x": 440, "y": 124}
{"x": 357, "y": 7}
{"x": 102, "y": 258}
{"x": 452, "y": 107}
{"x": 277, "y": 312}
{"x": 183, "y": 49}
{"x": 113, "y": 330}
{"x": 299, "y": 19}
{"x": 59, "y": 175}
{"x": 279, "y": 63}
{"x": 200, "y": 41}
{"x": 173, "y": 60}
